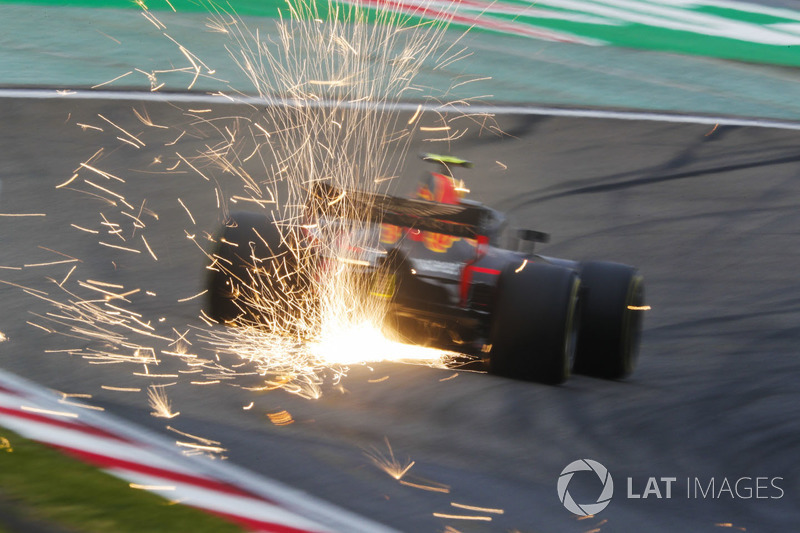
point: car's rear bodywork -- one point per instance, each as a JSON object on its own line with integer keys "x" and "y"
{"x": 444, "y": 269}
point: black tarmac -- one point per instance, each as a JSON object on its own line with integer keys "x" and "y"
{"x": 709, "y": 215}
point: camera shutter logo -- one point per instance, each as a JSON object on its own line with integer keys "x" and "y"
{"x": 585, "y": 509}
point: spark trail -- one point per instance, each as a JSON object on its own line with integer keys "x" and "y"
{"x": 304, "y": 317}
{"x": 310, "y": 311}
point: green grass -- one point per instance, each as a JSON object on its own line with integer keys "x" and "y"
{"x": 42, "y": 485}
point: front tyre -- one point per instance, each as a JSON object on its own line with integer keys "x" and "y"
{"x": 611, "y": 320}
{"x": 535, "y": 323}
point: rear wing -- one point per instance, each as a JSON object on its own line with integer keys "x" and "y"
{"x": 458, "y": 220}
{"x": 446, "y": 160}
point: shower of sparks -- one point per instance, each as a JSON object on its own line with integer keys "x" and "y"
{"x": 386, "y": 461}
{"x": 309, "y": 306}
{"x": 306, "y": 317}
{"x": 3, "y": 337}
{"x": 159, "y": 403}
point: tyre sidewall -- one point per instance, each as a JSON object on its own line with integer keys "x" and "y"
{"x": 533, "y": 326}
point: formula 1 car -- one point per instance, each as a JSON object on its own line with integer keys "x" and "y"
{"x": 451, "y": 282}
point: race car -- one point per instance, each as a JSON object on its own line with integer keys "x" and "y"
{"x": 451, "y": 279}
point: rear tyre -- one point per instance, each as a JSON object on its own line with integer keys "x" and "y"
{"x": 535, "y": 323}
{"x": 251, "y": 262}
{"x": 611, "y": 320}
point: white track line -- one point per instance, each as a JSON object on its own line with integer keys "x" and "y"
{"x": 141, "y": 456}
{"x": 217, "y": 98}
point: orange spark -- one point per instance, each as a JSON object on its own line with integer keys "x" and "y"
{"x": 477, "y": 509}
{"x": 121, "y": 389}
{"x": 193, "y": 297}
{"x": 150, "y": 250}
{"x": 48, "y": 412}
{"x": 112, "y": 80}
{"x": 430, "y": 488}
{"x": 463, "y": 517}
{"x": 133, "y": 139}
{"x": 187, "y": 211}
{"x": 281, "y": 418}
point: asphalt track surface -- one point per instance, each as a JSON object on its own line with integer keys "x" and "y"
{"x": 709, "y": 215}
